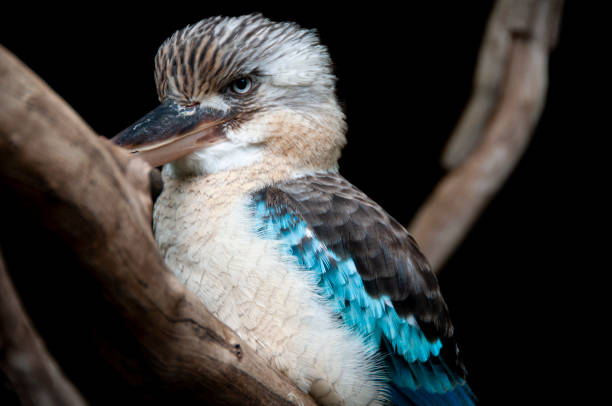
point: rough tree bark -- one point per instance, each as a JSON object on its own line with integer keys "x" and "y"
{"x": 508, "y": 96}
{"x": 95, "y": 197}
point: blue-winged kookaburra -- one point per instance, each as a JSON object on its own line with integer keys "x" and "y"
{"x": 256, "y": 220}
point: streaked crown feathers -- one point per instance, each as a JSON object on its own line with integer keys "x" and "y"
{"x": 290, "y": 111}
{"x": 210, "y": 54}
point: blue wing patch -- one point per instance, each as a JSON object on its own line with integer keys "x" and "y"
{"x": 417, "y": 372}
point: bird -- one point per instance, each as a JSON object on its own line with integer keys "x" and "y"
{"x": 257, "y": 221}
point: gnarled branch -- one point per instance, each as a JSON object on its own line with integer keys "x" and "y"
{"x": 496, "y": 126}
{"x": 95, "y": 197}
{"x": 33, "y": 372}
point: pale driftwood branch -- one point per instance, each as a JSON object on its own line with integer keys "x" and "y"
{"x": 509, "y": 92}
{"x": 100, "y": 207}
{"x": 31, "y": 370}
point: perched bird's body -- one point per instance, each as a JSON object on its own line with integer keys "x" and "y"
{"x": 256, "y": 220}
{"x": 274, "y": 307}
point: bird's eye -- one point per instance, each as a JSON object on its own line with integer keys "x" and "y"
{"x": 241, "y": 86}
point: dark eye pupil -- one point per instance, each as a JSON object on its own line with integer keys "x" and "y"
{"x": 241, "y": 85}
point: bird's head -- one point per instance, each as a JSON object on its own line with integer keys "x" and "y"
{"x": 239, "y": 90}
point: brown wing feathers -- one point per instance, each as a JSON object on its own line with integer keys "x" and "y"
{"x": 386, "y": 256}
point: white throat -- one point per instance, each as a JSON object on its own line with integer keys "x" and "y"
{"x": 216, "y": 158}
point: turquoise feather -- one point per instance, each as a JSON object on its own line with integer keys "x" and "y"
{"x": 374, "y": 319}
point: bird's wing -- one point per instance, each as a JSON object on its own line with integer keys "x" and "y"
{"x": 374, "y": 276}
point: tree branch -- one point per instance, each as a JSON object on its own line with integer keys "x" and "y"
{"x": 496, "y": 126}
{"x": 95, "y": 197}
{"x": 32, "y": 371}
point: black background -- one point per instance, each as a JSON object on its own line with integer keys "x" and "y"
{"x": 404, "y": 78}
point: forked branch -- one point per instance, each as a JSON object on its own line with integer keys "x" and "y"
{"x": 508, "y": 97}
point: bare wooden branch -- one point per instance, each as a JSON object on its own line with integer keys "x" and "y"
{"x": 32, "y": 371}
{"x": 101, "y": 207}
{"x": 507, "y": 101}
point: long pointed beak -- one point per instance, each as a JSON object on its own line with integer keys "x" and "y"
{"x": 172, "y": 131}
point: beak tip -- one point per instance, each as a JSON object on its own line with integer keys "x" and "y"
{"x": 116, "y": 139}
{"x": 128, "y": 138}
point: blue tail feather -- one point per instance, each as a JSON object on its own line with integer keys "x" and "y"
{"x": 461, "y": 395}
{"x": 429, "y": 383}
